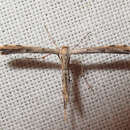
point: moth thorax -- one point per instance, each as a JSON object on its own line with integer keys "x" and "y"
{"x": 64, "y": 50}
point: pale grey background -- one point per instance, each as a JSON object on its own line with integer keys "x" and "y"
{"x": 30, "y": 89}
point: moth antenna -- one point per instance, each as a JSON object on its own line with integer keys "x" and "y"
{"x": 50, "y": 37}
{"x": 84, "y": 37}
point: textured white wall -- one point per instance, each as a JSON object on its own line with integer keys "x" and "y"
{"x": 30, "y": 89}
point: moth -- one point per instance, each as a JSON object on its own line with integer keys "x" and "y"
{"x": 64, "y": 54}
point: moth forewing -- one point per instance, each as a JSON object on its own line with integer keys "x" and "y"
{"x": 119, "y": 49}
{"x": 12, "y": 49}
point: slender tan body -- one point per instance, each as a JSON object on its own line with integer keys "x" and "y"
{"x": 65, "y": 58}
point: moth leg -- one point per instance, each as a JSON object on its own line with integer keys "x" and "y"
{"x": 60, "y": 58}
{"x": 82, "y": 74}
{"x": 46, "y": 56}
{"x": 89, "y": 86}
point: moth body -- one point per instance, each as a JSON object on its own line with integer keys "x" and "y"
{"x": 65, "y": 58}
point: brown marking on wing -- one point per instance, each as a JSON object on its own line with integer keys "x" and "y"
{"x": 12, "y": 49}
{"x": 115, "y": 49}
